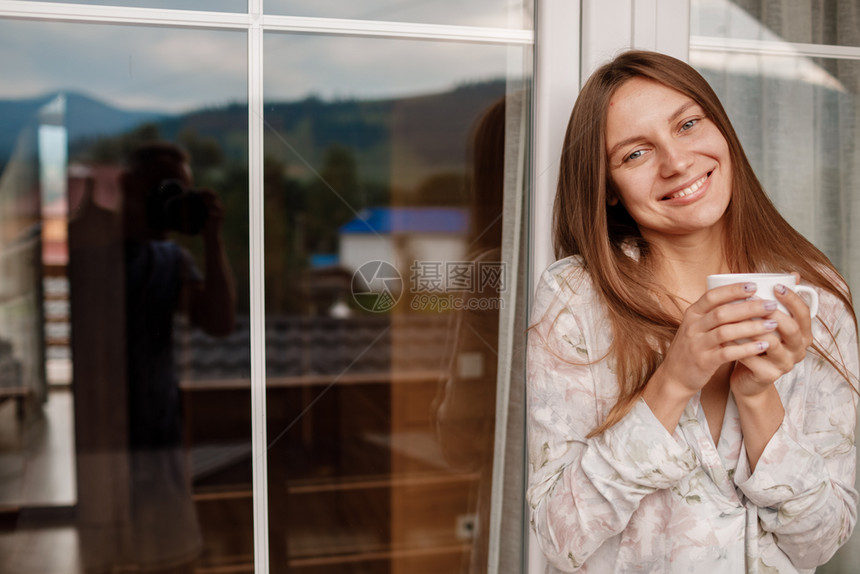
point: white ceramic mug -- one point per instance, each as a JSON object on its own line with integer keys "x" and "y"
{"x": 765, "y": 282}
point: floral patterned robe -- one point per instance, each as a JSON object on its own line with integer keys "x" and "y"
{"x": 637, "y": 499}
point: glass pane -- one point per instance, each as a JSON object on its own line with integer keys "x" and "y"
{"x": 124, "y": 354}
{"x": 209, "y": 5}
{"x": 490, "y": 13}
{"x": 833, "y": 22}
{"x": 799, "y": 121}
{"x": 385, "y": 163}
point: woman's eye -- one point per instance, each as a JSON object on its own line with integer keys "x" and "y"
{"x": 635, "y": 155}
{"x": 688, "y": 124}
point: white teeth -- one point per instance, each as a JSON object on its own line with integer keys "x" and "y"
{"x": 688, "y": 190}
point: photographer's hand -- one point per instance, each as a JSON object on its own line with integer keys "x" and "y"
{"x": 212, "y": 303}
{"x": 214, "y": 214}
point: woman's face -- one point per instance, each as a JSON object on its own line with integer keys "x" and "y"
{"x": 669, "y": 163}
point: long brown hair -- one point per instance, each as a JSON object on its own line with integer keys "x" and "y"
{"x": 757, "y": 238}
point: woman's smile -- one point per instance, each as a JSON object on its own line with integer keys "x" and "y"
{"x": 690, "y": 192}
{"x": 669, "y": 164}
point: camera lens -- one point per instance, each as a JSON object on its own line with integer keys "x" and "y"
{"x": 172, "y": 207}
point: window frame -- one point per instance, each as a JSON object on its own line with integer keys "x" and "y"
{"x": 256, "y": 23}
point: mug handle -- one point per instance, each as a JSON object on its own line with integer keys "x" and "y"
{"x": 813, "y": 299}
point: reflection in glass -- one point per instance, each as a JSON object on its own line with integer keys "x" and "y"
{"x": 797, "y": 117}
{"x": 834, "y": 23}
{"x": 490, "y": 13}
{"x": 209, "y": 5}
{"x": 383, "y": 203}
{"x": 123, "y": 309}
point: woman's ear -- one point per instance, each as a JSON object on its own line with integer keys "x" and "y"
{"x": 611, "y": 196}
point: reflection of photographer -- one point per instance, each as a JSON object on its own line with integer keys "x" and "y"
{"x": 159, "y": 198}
{"x": 171, "y": 206}
{"x": 161, "y": 280}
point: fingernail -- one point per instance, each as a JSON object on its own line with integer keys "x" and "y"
{"x": 781, "y": 289}
{"x": 763, "y": 345}
{"x": 770, "y": 305}
{"x": 749, "y": 287}
{"x": 770, "y": 325}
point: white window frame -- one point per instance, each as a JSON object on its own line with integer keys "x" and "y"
{"x": 255, "y": 23}
{"x": 574, "y": 38}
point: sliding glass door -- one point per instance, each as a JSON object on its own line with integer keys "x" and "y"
{"x": 262, "y": 284}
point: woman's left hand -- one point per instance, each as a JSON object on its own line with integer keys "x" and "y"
{"x": 786, "y": 347}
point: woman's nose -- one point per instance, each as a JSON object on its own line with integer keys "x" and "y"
{"x": 676, "y": 158}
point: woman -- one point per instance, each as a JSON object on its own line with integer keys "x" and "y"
{"x": 657, "y": 442}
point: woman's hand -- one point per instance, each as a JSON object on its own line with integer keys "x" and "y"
{"x": 752, "y": 380}
{"x": 706, "y": 339}
{"x": 786, "y": 347}
{"x": 708, "y": 334}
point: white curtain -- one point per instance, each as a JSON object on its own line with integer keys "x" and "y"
{"x": 508, "y": 526}
{"x": 798, "y": 116}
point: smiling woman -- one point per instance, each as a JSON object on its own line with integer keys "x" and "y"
{"x": 674, "y": 175}
{"x": 659, "y": 407}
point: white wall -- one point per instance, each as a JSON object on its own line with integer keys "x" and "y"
{"x": 400, "y": 251}
{"x": 356, "y": 250}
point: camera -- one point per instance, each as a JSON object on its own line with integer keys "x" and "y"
{"x": 173, "y": 207}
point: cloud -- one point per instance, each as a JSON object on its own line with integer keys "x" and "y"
{"x": 332, "y": 67}
{"x": 491, "y": 13}
{"x": 178, "y": 69}
{"x": 132, "y": 67}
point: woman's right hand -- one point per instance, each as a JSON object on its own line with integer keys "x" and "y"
{"x": 707, "y": 339}
{"x": 708, "y": 334}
